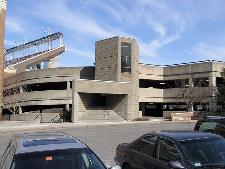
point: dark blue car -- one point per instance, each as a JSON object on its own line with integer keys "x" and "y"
{"x": 49, "y": 150}
{"x": 173, "y": 150}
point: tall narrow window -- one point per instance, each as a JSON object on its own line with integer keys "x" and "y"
{"x": 125, "y": 57}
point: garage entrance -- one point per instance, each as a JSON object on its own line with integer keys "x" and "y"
{"x": 152, "y": 109}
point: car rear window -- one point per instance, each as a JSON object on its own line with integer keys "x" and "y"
{"x": 81, "y": 158}
{"x": 206, "y": 126}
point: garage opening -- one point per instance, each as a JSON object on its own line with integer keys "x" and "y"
{"x": 151, "y": 109}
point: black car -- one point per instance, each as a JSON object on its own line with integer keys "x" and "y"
{"x": 211, "y": 124}
{"x": 48, "y": 150}
{"x": 172, "y": 150}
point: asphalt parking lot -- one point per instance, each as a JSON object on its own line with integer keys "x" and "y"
{"x": 103, "y": 140}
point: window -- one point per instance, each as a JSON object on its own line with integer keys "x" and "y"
{"x": 146, "y": 145}
{"x": 200, "y": 82}
{"x": 125, "y": 57}
{"x": 166, "y": 151}
{"x": 7, "y": 157}
{"x": 207, "y": 126}
{"x": 81, "y": 158}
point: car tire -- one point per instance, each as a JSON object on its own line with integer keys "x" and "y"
{"x": 127, "y": 167}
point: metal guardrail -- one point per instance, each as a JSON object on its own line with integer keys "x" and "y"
{"x": 42, "y": 40}
{"x": 9, "y": 63}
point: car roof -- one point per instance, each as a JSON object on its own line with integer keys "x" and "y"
{"x": 44, "y": 141}
{"x": 182, "y": 136}
{"x": 213, "y": 118}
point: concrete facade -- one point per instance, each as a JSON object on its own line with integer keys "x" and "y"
{"x": 110, "y": 81}
{"x": 209, "y": 70}
{"x": 2, "y": 55}
{"x": 111, "y": 88}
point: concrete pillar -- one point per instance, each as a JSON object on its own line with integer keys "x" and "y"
{"x": 190, "y": 83}
{"x": 50, "y": 64}
{"x": 21, "y": 89}
{"x": 212, "y": 86}
{"x": 20, "y": 110}
{"x": 2, "y": 51}
{"x": 143, "y": 109}
{"x": 191, "y": 108}
{"x": 68, "y": 85}
{"x": 75, "y": 96}
{"x": 67, "y": 107}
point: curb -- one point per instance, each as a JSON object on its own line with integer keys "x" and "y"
{"x": 28, "y": 126}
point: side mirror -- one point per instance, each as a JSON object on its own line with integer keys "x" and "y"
{"x": 176, "y": 165}
{"x": 115, "y": 167}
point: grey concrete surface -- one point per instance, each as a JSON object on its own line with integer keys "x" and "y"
{"x": 104, "y": 139}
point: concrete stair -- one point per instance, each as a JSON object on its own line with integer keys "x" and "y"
{"x": 100, "y": 114}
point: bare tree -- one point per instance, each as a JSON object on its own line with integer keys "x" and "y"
{"x": 13, "y": 98}
{"x": 200, "y": 93}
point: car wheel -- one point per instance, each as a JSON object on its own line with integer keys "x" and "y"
{"x": 127, "y": 167}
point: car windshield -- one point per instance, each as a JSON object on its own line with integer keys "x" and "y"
{"x": 205, "y": 151}
{"x": 66, "y": 159}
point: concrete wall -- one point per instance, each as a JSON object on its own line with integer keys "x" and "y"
{"x": 109, "y": 87}
{"x": 133, "y": 96}
{"x": 210, "y": 70}
{"x": 119, "y": 103}
{"x": 150, "y": 72}
{"x": 187, "y": 71}
{"x": 47, "y": 97}
{"x": 106, "y": 59}
{"x": 84, "y": 101}
{"x": 50, "y": 75}
{"x": 150, "y": 95}
{"x": 193, "y": 70}
{"x": 83, "y": 91}
{"x": 46, "y": 117}
{"x": 171, "y": 95}
{"x": 108, "y": 69}
{"x": 2, "y": 55}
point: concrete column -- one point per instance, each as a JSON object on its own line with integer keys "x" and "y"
{"x": 2, "y": 51}
{"x": 191, "y": 108}
{"x": 50, "y": 64}
{"x": 67, "y": 107}
{"x": 190, "y": 83}
{"x": 21, "y": 89}
{"x": 143, "y": 109}
{"x": 75, "y": 96}
{"x": 212, "y": 86}
{"x": 20, "y": 110}
{"x": 68, "y": 85}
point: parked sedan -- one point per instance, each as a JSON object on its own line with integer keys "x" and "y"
{"x": 49, "y": 150}
{"x": 211, "y": 124}
{"x": 172, "y": 150}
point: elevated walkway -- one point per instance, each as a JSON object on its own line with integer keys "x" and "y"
{"x": 22, "y": 63}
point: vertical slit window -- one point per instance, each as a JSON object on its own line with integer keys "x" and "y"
{"x": 125, "y": 57}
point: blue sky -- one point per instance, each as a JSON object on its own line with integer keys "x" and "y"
{"x": 167, "y": 31}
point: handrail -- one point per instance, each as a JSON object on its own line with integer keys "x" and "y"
{"x": 53, "y": 120}
{"x": 42, "y": 40}
{"x": 38, "y": 116}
